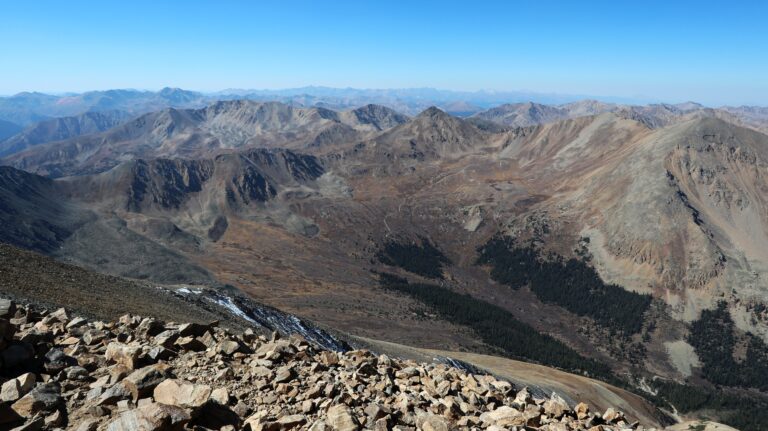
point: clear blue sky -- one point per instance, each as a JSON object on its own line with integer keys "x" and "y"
{"x": 712, "y": 52}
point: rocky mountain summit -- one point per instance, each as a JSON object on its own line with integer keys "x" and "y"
{"x": 65, "y": 372}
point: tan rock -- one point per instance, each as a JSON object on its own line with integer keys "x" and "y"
{"x": 291, "y": 421}
{"x": 228, "y": 347}
{"x": 182, "y": 394}
{"x": 504, "y": 416}
{"x": 329, "y": 358}
{"x": 190, "y": 343}
{"x": 523, "y": 397}
{"x": 611, "y": 415}
{"x": 319, "y": 425}
{"x": 16, "y": 388}
{"x": 340, "y": 418}
{"x": 55, "y": 419}
{"x": 556, "y": 407}
{"x": 151, "y": 417}
{"x": 430, "y": 422}
{"x": 88, "y": 424}
{"x": 220, "y": 396}
{"x": 284, "y": 374}
{"x": 582, "y": 410}
{"x": 276, "y": 350}
{"x": 123, "y": 354}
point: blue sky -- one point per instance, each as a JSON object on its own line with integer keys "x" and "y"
{"x": 711, "y": 52}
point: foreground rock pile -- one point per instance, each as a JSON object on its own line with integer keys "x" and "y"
{"x": 64, "y": 372}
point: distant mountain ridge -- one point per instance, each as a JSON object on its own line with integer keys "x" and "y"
{"x": 194, "y": 133}
{"x": 26, "y": 108}
{"x": 61, "y": 128}
{"x": 29, "y": 107}
{"x": 8, "y": 129}
{"x": 653, "y": 115}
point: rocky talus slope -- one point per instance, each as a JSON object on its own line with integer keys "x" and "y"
{"x": 66, "y": 372}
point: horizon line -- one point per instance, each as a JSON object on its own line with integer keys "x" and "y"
{"x": 522, "y": 94}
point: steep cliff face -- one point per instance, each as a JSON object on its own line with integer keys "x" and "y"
{"x": 166, "y": 183}
{"x": 228, "y": 181}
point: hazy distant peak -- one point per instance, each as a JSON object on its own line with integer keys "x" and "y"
{"x": 433, "y": 112}
{"x": 378, "y": 116}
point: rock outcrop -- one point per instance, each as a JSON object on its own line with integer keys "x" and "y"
{"x": 65, "y": 372}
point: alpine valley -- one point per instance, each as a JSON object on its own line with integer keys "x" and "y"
{"x": 622, "y": 243}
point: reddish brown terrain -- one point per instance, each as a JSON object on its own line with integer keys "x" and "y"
{"x": 293, "y": 206}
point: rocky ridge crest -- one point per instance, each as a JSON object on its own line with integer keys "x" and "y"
{"x": 65, "y": 372}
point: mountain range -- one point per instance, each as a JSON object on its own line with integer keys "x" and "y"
{"x": 615, "y": 233}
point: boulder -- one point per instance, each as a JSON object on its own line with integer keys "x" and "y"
{"x": 16, "y": 388}
{"x": 77, "y": 373}
{"x": 182, "y": 394}
{"x": 114, "y": 394}
{"x": 276, "y": 350}
{"x": 143, "y": 381}
{"x": 340, "y": 418}
{"x": 151, "y": 417}
{"x": 430, "y": 422}
{"x": 166, "y": 338}
{"x": 612, "y": 416}
{"x": 92, "y": 337}
{"x": 190, "y": 343}
{"x": 150, "y": 327}
{"x": 43, "y": 398}
{"x": 123, "y": 354}
{"x": 284, "y": 374}
{"x": 88, "y": 424}
{"x": 228, "y": 347}
{"x": 76, "y": 322}
{"x": 556, "y": 407}
{"x": 504, "y": 416}
{"x": 220, "y": 396}
{"x": 582, "y": 410}
{"x": 193, "y": 329}
{"x": 291, "y": 421}
{"x": 160, "y": 353}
